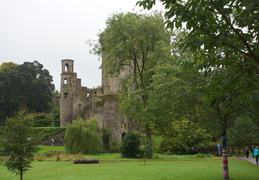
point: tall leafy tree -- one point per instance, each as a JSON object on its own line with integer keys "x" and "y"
{"x": 27, "y": 85}
{"x": 226, "y": 33}
{"x": 188, "y": 93}
{"x": 228, "y": 29}
{"x": 136, "y": 42}
{"x": 19, "y": 143}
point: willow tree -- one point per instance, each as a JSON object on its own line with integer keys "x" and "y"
{"x": 82, "y": 136}
{"x": 136, "y": 43}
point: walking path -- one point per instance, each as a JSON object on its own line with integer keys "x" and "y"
{"x": 251, "y": 159}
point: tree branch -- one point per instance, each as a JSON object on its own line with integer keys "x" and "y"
{"x": 250, "y": 53}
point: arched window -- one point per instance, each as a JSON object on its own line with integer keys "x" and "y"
{"x": 66, "y": 67}
{"x": 65, "y": 81}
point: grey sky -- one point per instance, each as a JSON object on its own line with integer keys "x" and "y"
{"x": 51, "y": 30}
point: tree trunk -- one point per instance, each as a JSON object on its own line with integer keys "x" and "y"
{"x": 148, "y": 132}
{"x": 225, "y": 157}
{"x": 149, "y": 151}
{"x": 21, "y": 177}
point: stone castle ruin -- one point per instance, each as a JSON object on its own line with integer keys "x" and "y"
{"x": 77, "y": 101}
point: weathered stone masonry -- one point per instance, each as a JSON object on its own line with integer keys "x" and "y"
{"x": 77, "y": 101}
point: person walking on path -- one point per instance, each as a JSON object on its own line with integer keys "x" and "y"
{"x": 256, "y": 154}
{"x": 247, "y": 152}
{"x": 219, "y": 149}
{"x": 52, "y": 142}
{"x": 252, "y": 151}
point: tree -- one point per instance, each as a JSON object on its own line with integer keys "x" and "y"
{"x": 42, "y": 119}
{"x": 6, "y": 66}
{"x": 55, "y": 110}
{"x": 228, "y": 29}
{"x": 25, "y": 85}
{"x": 243, "y": 132}
{"x": 19, "y": 143}
{"x": 172, "y": 97}
{"x": 187, "y": 93}
{"x": 135, "y": 42}
{"x": 226, "y": 34}
{"x": 82, "y": 136}
{"x": 130, "y": 147}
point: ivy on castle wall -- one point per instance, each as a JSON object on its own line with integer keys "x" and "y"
{"x": 102, "y": 98}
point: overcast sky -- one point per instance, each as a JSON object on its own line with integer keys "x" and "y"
{"x": 51, "y": 30}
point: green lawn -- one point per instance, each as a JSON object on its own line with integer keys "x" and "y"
{"x": 49, "y": 148}
{"x": 112, "y": 167}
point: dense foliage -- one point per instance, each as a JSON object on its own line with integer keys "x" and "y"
{"x": 27, "y": 85}
{"x": 222, "y": 38}
{"x": 225, "y": 29}
{"x": 47, "y": 132}
{"x": 42, "y": 120}
{"x": 207, "y": 76}
{"x": 185, "y": 137}
{"x": 243, "y": 132}
{"x": 130, "y": 147}
{"x": 82, "y": 136}
{"x": 19, "y": 142}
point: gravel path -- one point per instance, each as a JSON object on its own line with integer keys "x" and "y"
{"x": 250, "y": 159}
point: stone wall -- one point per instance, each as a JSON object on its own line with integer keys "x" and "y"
{"x": 106, "y": 110}
{"x": 82, "y": 102}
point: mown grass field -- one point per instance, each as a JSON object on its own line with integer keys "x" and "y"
{"x": 113, "y": 167}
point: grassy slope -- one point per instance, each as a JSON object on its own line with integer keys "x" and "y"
{"x": 49, "y": 148}
{"x": 111, "y": 166}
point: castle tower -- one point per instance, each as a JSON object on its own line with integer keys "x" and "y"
{"x": 77, "y": 101}
{"x": 67, "y": 91}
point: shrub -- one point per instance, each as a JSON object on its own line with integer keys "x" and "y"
{"x": 106, "y": 134}
{"x": 186, "y": 137}
{"x": 115, "y": 147}
{"x": 130, "y": 145}
{"x": 46, "y": 132}
{"x": 42, "y": 120}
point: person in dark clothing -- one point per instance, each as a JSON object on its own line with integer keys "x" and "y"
{"x": 252, "y": 151}
{"x": 247, "y": 152}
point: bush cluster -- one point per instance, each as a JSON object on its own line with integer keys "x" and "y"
{"x": 46, "y": 132}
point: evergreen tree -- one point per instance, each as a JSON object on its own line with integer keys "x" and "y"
{"x": 19, "y": 143}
